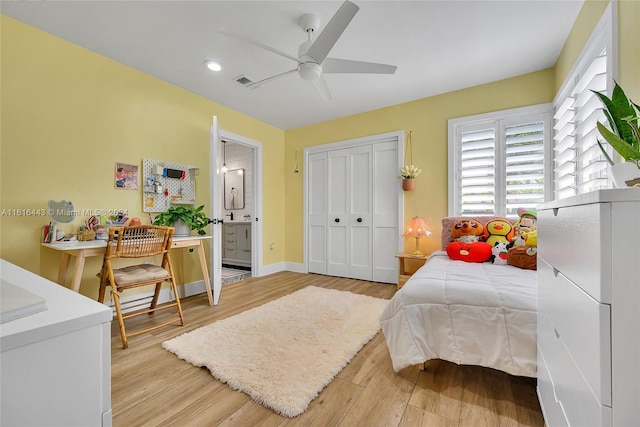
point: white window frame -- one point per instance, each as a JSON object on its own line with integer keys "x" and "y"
{"x": 541, "y": 112}
{"x": 604, "y": 36}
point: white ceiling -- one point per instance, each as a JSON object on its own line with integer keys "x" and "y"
{"x": 438, "y": 46}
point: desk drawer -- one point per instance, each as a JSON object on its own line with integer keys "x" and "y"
{"x": 576, "y": 240}
{"x": 583, "y": 325}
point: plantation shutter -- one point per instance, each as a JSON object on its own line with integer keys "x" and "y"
{"x": 578, "y": 163}
{"x": 498, "y": 161}
{"x": 524, "y": 166}
{"x": 477, "y": 171}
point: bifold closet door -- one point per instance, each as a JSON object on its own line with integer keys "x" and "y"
{"x": 349, "y": 213}
{"x": 353, "y": 198}
{"x": 317, "y": 212}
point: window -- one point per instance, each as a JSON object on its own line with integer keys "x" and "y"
{"x": 498, "y": 161}
{"x": 579, "y": 165}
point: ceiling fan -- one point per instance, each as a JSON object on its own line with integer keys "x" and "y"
{"x": 312, "y": 57}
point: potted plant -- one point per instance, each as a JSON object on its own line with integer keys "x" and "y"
{"x": 183, "y": 218}
{"x": 408, "y": 173}
{"x": 622, "y": 135}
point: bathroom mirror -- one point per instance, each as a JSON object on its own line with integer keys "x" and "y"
{"x": 234, "y": 189}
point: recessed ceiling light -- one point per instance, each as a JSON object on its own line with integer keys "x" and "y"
{"x": 213, "y": 65}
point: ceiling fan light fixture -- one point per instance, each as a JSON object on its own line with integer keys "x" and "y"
{"x": 310, "y": 71}
{"x": 213, "y": 65}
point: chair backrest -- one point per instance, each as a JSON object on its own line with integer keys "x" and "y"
{"x": 139, "y": 241}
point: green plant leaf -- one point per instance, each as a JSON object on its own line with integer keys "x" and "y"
{"x": 616, "y": 108}
{"x": 622, "y": 147}
{"x": 606, "y": 155}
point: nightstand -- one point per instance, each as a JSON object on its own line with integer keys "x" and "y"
{"x": 403, "y": 275}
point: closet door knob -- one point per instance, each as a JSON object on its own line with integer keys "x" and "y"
{"x": 337, "y": 220}
{"x": 359, "y": 219}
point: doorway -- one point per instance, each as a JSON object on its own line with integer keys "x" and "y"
{"x": 240, "y": 203}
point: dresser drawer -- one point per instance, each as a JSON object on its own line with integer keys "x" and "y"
{"x": 230, "y": 253}
{"x": 583, "y": 325}
{"x": 577, "y": 241}
{"x": 570, "y": 390}
{"x": 551, "y": 408}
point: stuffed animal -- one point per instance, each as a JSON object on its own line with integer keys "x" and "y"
{"x": 527, "y": 222}
{"x": 498, "y": 230}
{"x": 531, "y": 238}
{"x": 499, "y": 253}
{"x": 467, "y": 230}
{"x": 469, "y": 252}
{"x": 523, "y": 257}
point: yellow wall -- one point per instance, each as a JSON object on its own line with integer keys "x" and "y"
{"x": 629, "y": 48}
{"x": 427, "y": 118}
{"x": 69, "y": 114}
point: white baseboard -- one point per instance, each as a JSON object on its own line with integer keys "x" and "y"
{"x": 295, "y": 267}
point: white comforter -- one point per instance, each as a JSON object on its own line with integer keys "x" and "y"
{"x": 466, "y": 313}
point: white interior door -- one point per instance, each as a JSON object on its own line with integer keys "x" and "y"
{"x": 317, "y": 212}
{"x": 337, "y": 216}
{"x": 215, "y": 269}
{"x": 354, "y": 208}
{"x": 359, "y": 215}
{"x": 385, "y": 212}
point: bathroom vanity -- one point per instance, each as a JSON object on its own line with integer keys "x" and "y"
{"x": 236, "y": 243}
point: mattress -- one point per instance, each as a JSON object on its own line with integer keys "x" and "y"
{"x": 467, "y": 313}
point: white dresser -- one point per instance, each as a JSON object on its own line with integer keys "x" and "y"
{"x": 236, "y": 243}
{"x": 55, "y": 365}
{"x": 589, "y": 309}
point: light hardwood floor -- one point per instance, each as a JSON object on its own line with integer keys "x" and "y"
{"x": 151, "y": 386}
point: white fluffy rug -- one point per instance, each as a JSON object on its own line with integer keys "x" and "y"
{"x": 285, "y": 352}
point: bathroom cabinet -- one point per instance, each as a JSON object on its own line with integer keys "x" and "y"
{"x": 236, "y": 244}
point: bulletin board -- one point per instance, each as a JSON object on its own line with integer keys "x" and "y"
{"x": 162, "y": 186}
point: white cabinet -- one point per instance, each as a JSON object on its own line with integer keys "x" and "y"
{"x": 55, "y": 365}
{"x": 353, "y": 198}
{"x": 589, "y": 309}
{"x": 236, "y": 244}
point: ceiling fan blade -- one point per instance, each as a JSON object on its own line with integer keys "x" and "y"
{"x": 268, "y": 79}
{"x": 256, "y": 43}
{"x": 321, "y": 86}
{"x": 320, "y": 48}
{"x": 334, "y": 65}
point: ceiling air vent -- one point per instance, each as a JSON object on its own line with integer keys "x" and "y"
{"x": 243, "y": 80}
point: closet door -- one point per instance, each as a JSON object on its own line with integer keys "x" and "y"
{"x": 353, "y": 205}
{"x": 337, "y": 214}
{"x": 386, "y": 199}
{"x": 359, "y": 196}
{"x": 317, "y": 213}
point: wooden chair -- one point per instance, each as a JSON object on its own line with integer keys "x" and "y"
{"x": 138, "y": 242}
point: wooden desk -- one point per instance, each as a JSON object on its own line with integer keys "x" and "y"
{"x": 83, "y": 250}
{"x": 403, "y": 274}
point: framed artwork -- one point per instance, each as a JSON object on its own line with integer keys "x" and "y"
{"x": 126, "y": 176}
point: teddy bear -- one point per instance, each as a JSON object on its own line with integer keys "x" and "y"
{"x": 467, "y": 230}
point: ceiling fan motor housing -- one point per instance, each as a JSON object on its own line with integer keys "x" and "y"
{"x": 310, "y": 71}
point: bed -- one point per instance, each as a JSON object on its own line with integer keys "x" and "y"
{"x": 467, "y": 313}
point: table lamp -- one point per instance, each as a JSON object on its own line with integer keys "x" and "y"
{"x": 417, "y": 228}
